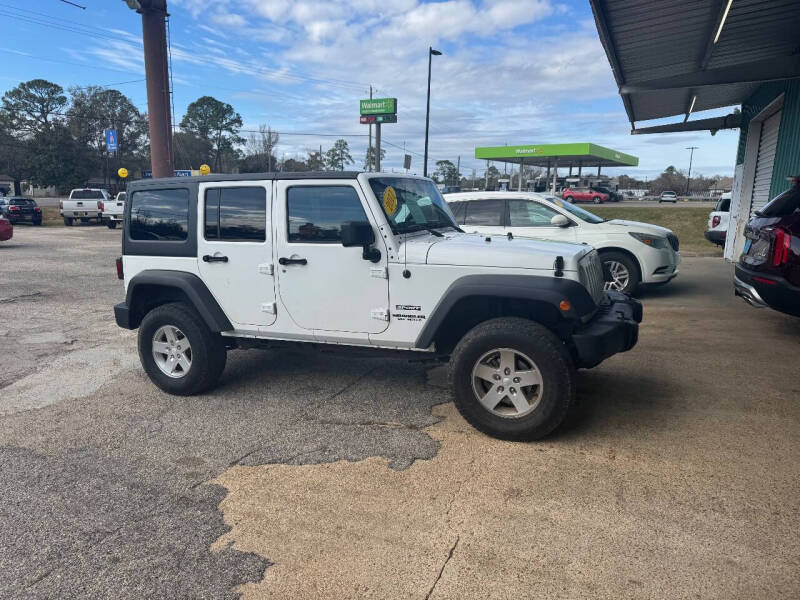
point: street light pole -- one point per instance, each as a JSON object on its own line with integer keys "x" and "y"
{"x": 431, "y": 54}
{"x": 689, "y": 177}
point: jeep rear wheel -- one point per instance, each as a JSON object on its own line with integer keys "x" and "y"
{"x": 512, "y": 378}
{"x": 180, "y": 354}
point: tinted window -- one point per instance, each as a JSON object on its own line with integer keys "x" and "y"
{"x": 22, "y": 202}
{"x": 316, "y": 213}
{"x": 724, "y": 205}
{"x": 459, "y": 210}
{"x": 522, "y": 213}
{"x": 784, "y": 205}
{"x": 485, "y": 212}
{"x": 86, "y": 195}
{"x": 161, "y": 215}
{"x": 236, "y": 214}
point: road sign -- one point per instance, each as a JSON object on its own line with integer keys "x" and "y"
{"x": 379, "y": 106}
{"x": 375, "y": 119}
{"x": 407, "y": 161}
{"x": 111, "y": 140}
{"x": 205, "y": 169}
{"x": 123, "y": 172}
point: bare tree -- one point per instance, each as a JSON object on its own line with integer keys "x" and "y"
{"x": 259, "y": 148}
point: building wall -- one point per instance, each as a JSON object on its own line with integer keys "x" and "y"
{"x": 787, "y": 157}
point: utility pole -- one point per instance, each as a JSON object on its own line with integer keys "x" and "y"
{"x": 378, "y": 147}
{"x": 458, "y": 172}
{"x": 689, "y": 177}
{"x": 156, "y": 68}
{"x": 369, "y": 151}
{"x": 431, "y": 54}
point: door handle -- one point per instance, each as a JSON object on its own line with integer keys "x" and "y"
{"x": 292, "y": 261}
{"x": 208, "y": 258}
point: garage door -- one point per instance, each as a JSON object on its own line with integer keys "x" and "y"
{"x": 766, "y": 158}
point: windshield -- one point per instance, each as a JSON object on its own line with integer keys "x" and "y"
{"x": 579, "y": 212}
{"x": 411, "y": 204}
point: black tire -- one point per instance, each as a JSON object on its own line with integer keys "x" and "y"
{"x": 609, "y": 256}
{"x": 597, "y": 200}
{"x": 68, "y": 221}
{"x": 569, "y": 199}
{"x": 84, "y": 219}
{"x": 37, "y": 222}
{"x": 112, "y": 224}
{"x": 208, "y": 351}
{"x": 551, "y": 359}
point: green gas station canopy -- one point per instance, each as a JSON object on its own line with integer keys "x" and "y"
{"x": 561, "y": 155}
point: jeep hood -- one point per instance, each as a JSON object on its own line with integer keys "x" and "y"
{"x": 467, "y": 249}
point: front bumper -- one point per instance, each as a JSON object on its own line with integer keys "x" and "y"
{"x": 779, "y": 295}
{"x": 614, "y": 329}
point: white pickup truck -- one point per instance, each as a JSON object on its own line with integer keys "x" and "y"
{"x": 113, "y": 210}
{"x": 84, "y": 204}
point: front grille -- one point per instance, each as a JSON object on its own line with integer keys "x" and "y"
{"x": 591, "y": 273}
{"x": 673, "y": 241}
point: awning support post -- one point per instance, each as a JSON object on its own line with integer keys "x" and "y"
{"x": 598, "y": 170}
{"x": 555, "y": 176}
{"x": 521, "y": 165}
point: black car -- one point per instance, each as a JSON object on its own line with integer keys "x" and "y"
{"x": 612, "y": 195}
{"x": 768, "y": 272}
{"x": 18, "y": 208}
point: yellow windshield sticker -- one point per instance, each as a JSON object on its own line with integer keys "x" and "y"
{"x": 389, "y": 201}
{"x": 558, "y": 202}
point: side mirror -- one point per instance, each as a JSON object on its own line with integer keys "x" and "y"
{"x": 359, "y": 233}
{"x": 559, "y": 221}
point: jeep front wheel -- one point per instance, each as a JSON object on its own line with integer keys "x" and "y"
{"x": 180, "y": 354}
{"x": 512, "y": 378}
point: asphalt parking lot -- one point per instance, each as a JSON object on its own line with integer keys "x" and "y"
{"x": 312, "y": 475}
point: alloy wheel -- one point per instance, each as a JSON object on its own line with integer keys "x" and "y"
{"x": 507, "y": 383}
{"x": 620, "y": 276}
{"x": 172, "y": 351}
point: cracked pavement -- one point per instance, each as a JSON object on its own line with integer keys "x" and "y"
{"x": 308, "y": 474}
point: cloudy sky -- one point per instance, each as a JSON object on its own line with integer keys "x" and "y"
{"x": 512, "y": 71}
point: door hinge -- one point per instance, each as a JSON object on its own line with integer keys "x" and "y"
{"x": 266, "y": 269}
{"x": 268, "y": 307}
{"x": 379, "y": 272}
{"x": 381, "y": 314}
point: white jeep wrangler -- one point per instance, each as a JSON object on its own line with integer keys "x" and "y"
{"x": 370, "y": 260}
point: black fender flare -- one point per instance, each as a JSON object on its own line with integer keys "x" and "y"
{"x": 189, "y": 284}
{"x": 551, "y": 290}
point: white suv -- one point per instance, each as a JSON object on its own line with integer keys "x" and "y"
{"x": 718, "y": 220}
{"x": 365, "y": 260}
{"x": 631, "y": 252}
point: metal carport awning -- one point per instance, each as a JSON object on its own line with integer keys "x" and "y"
{"x": 578, "y": 155}
{"x": 678, "y": 57}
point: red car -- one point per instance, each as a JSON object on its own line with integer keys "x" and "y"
{"x": 768, "y": 272}
{"x": 584, "y": 195}
{"x": 6, "y": 229}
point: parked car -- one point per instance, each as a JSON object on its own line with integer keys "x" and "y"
{"x": 631, "y": 252}
{"x": 451, "y": 189}
{"x": 668, "y": 197}
{"x": 612, "y": 195}
{"x": 583, "y": 195}
{"x": 84, "y": 204}
{"x": 18, "y": 208}
{"x": 768, "y": 271}
{"x": 113, "y": 210}
{"x": 219, "y": 262}
{"x": 718, "y": 220}
{"x": 6, "y": 229}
